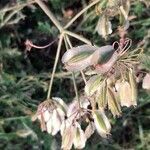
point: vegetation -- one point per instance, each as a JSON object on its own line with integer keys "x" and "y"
{"x": 33, "y": 32}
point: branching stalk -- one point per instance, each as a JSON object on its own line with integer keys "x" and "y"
{"x": 55, "y": 65}
{"x": 67, "y": 42}
{"x": 9, "y": 17}
{"x": 49, "y": 14}
{"x": 18, "y": 6}
{"x": 78, "y": 37}
{"x": 63, "y": 32}
{"x": 80, "y": 13}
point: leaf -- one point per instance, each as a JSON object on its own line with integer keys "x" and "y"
{"x": 80, "y": 57}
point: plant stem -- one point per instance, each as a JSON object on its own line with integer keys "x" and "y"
{"x": 49, "y": 14}
{"x": 83, "y": 76}
{"x": 75, "y": 87}
{"x": 78, "y": 37}
{"x": 67, "y": 42}
{"x": 9, "y": 17}
{"x": 80, "y": 13}
{"x": 15, "y": 118}
{"x": 17, "y": 6}
{"x": 61, "y": 29}
{"x": 55, "y": 65}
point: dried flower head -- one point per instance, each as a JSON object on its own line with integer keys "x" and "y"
{"x": 51, "y": 113}
{"x": 71, "y": 131}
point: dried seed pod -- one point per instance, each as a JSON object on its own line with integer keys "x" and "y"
{"x": 104, "y": 26}
{"x": 42, "y": 122}
{"x": 125, "y": 94}
{"x": 73, "y": 110}
{"x": 116, "y": 89}
{"x": 44, "y": 113}
{"x": 132, "y": 82}
{"x": 103, "y": 68}
{"x": 61, "y": 104}
{"x": 51, "y": 114}
{"x": 92, "y": 85}
{"x": 78, "y": 58}
{"x": 101, "y": 122}
{"x": 57, "y": 119}
{"x": 146, "y": 82}
{"x": 68, "y": 137}
{"x": 103, "y": 54}
{"x": 101, "y": 95}
{"x": 89, "y": 130}
{"x": 113, "y": 103}
{"x": 79, "y": 140}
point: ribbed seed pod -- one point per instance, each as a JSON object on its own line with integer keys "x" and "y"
{"x": 79, "y": 137}
{"x": 125, "y": 94}
{"x": 101, "y": 95}
{"x": 92, "y": 85}
{"x": 78, "y": 58}
{"x": 104, "y": 27}
{"x": 113, "y": 103}
{"x": 104, "y": 54}
{"x": 102, "y": 123}
{"x": 132, "y": 83}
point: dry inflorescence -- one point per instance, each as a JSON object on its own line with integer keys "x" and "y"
{"x": 111, "y": 85}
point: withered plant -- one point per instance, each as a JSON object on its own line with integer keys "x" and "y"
{"x": 108, "y": 72}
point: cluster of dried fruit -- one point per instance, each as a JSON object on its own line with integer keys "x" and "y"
{"x": 55, "y": 116}
{"x": 111, "y": 85}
